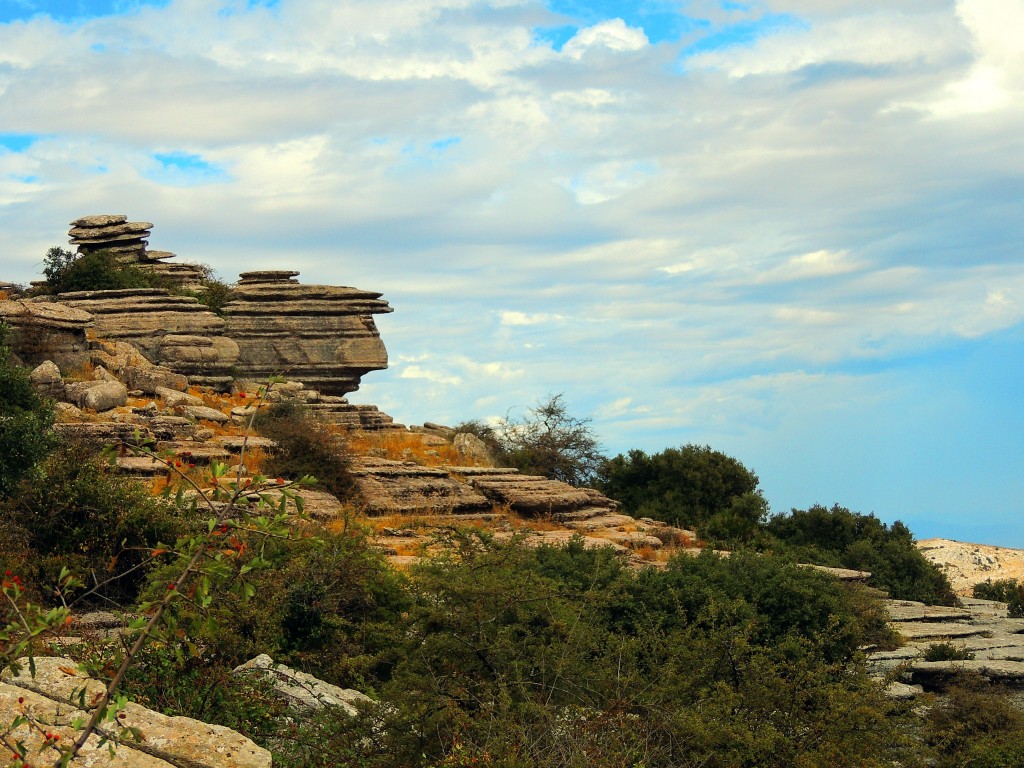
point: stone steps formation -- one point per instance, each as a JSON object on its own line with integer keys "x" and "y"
{"x": 128, "y": 241}
{"x": 321, "y": 335}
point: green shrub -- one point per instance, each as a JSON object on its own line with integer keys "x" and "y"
{"x": 328, "y": 605}
{"x": 947, "y": 652}
{"x": 77, "y": 513}
{"x": 25, "y": 422}
{"x": 1009, "y": 591}
{"x": 97, "y": 271}
{"x": 692, "y": 487}
{"x": 305, "y": 446}
{"x": 839, "y": 537}
{"x": 971, "y": 714}
{"x": 215, "y": 294}
{"x": 561, "y": 657}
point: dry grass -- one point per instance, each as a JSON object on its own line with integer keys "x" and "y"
{"x": 84, "y": 372}
{"x": 254, "y": 459}
{"x": 520, "y": 523}
{"x": 400, "y": 445}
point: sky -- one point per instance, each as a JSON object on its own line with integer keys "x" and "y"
{"x": 788, "y": 229}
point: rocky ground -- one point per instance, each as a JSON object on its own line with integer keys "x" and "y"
{"x": 979, "y": 630}
{"x": 968, "y": 564}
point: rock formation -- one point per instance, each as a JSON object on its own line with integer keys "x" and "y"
{"x": 128, "y": 241}
{"x": 321, "y": 335}
{"x": 46, "y": 330}
{"x": 173, "y": 331}
{"x": 980, "y": 630}
{"x": 167, "y": 742}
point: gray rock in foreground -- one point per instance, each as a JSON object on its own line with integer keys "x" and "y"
{"x": 301, "y": 690}
{"x": 168, "y": 742}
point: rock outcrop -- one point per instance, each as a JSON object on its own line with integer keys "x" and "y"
{"x": 968, "y": 564}
{"x": 177, "y": 332}
{"x": 980, "y": 630}
{"x": 46, "y": 330}
{"x": 167, "y": 742}
{"x": 128, "y": 240}
{"x": 321, "y": 335}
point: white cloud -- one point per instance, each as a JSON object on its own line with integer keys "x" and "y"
{"x": 613, "y": 35}
{"x": 511, "y": 318}
{"x": 437, "y": 377}
{"x": 665, "y": 242}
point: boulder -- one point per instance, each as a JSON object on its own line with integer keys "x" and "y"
{"x": 47, "y": 381}
{"x": 204, "y": 413}
{"x": 150, "y": 379}
{"x": 173, "y": 397}
{"x": 98, "y": 396}
{"x": 302, "y": 691}
{"x": 473, "y": 449}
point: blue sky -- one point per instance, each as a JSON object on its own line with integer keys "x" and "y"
{"x": 787, "y": 229}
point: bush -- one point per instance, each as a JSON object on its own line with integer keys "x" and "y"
{"x": 972, "y": 714}
{"x": 692, "y": 487}
{"x": 329, "y": 605}
{"x": 97, "y": 271}
{"x": 78, "y": 514}
{"x": 1009, "y": 591}
{"x": 839, "y": 537}
{"x": 547, "y": 441}
{"x": 305, "y": 446}
{"x": 946, "y": 652}
{"x": 215, "y": 294}
{"x": 25, "y": 422}
{"x": 562, "y": 657}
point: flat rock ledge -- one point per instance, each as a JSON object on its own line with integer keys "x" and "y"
{"x": 978, "y": 628}
{"x": 168, "y": 742}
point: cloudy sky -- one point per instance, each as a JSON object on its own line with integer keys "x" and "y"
{"x": 789, "y": 229}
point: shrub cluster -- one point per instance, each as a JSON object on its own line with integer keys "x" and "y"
{"x": 25, "y": 422}
{"x": 305, "y": 447}
{"x": 1009, "y": 591}
{"x": 838, "y": 537}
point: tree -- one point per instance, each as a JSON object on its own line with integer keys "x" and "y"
{"x": 550, "y": 441}
{"x": 689, "y": 486}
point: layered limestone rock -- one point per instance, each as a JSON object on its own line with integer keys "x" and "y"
{"x": 128, "y": 240}
{"x": 990, "y": 644}
{"x": 110, "y": 232}
{"x": 330, "y": 409}
{"x": 301, "y": 690}
{"x": 321, "y": 335}
{"x": 51, "y": 697}
{"x": 44, "y": 330}
{"x": 177, "y": 332}
{"x": 393, "y": 487}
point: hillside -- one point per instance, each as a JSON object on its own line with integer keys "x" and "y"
{"x": 968, "y": 564}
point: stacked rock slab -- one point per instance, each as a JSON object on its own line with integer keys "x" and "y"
{"x": 177, "y": 332}
{"x": 128, "y": 240}
{"x": 321, "y": 335}
{"x": 43, "y": 331}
